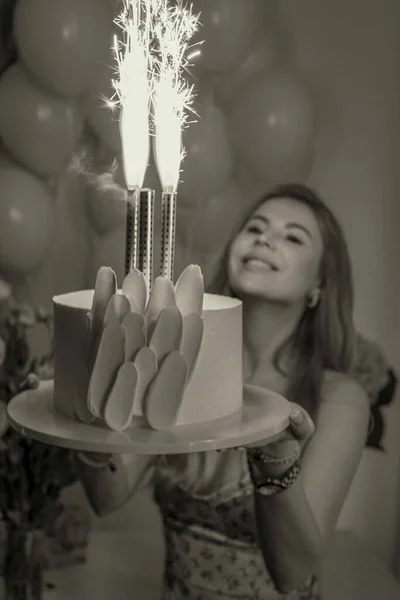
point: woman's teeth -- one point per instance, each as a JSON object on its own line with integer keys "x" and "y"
{"x": 256, "y": 262}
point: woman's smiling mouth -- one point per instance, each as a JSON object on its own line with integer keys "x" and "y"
{"x": 255, "y": 261}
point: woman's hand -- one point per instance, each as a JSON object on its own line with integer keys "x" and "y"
{"x": 281, "y": 453}
{"x": 95, "y": 460}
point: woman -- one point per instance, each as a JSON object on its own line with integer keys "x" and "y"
{"x": 253, "y": 523}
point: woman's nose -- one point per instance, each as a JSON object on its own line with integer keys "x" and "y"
{"x": 267, "y": 238}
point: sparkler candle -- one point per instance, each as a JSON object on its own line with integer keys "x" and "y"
{"x": 172, "y": 97}
{"x": 146, "y": 236}
{"x": 133, "y": 91}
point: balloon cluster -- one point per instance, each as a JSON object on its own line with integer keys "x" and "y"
{"x": 59, "y": 49}
{"x": 254, "y": 126}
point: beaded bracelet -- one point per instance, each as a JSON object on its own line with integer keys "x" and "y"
{"x": 266, "y": 485}
{"x": 274, "y": 485}
{"x": 260, "y": 455}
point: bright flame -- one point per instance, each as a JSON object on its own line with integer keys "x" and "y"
{"x": 172, "y": 96}
{"x": 134, "y": 87}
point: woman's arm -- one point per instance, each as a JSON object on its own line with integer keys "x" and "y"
{"x": 108, "y": 490}
{"x": 295, "y": 525}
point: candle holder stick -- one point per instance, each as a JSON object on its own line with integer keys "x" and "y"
{"x": 146, "y": 235}
{"x": 132, "y": 241}
{"x": 168, "y": 232}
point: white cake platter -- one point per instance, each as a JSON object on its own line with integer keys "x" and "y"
{"x": 264, "y": 415}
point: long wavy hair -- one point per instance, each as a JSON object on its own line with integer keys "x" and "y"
{"x": 325, "y": 336}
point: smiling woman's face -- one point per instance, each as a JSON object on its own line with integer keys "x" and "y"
{"x": 277, "y": 254}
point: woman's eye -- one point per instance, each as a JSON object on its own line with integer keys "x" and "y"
{"x": 294, "y": 239}
{"x": 253, "y": 229}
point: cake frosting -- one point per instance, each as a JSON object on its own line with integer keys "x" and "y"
{"x": 122, "y": 358}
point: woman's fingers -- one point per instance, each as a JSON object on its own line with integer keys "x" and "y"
{"x": 288, "y": 443}
{"x": 301, "y": 425}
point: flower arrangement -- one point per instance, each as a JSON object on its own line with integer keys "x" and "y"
{"x": 37, "y": 531}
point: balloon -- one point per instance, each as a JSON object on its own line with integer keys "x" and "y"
{"x": 39, "y": 131}
{"x": 227, "y": 28}
{"x": 108, "y": 251}
{"x": 5, "y": 158}
{"x": 65, "y": 264}
{"x": 26, "y": 221}
{"x": 63, "y": 43}
{"x": 261, "y": 57}
{"x": 115, "y": 6}
{"x": 207, "y": 225}
{"x": 197, "y": 78}
{"x": 103, "y": 121}
{"x": 272, "y": 126}
{"x": 251, "y": 186}
{"x": 106, "y": 205}
{"x": 183, "y": 257}
{"x": 208, "y": 164}
{"x": 7, "y": 47}
{"x": 70, "y": 248}
{"x": 274, "y": 16}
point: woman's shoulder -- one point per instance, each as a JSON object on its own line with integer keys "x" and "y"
{"x": 337, "y": 386}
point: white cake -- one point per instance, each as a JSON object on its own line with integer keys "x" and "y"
{"x": 212, "y": 391}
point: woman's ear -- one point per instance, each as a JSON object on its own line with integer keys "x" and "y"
{"x": 314, "y": 297}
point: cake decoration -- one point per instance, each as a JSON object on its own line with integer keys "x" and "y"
{"x": 135, "y": 335}
{"x": 110, "y": 355}
{"x": 163, "y": 401}
{"x": 134, "y": 288}
{"x": 140, "y": 364}
{"x": 167, "y": 334}
{"x": 193, "y": 327}
{"x": 146, "y": 365}
{"x": 105, "y": 287}
{"x": 118, "y": 407}
{"x": 162, "y": 295}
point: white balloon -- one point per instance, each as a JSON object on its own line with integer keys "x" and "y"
{"x": 227, "y": 28}
{"x": 108, "y": 251}
{"x": 261, "y": 57}
{"x": 273, "y": 125}
{"x": 208, "y": 164}
{"x": 207, "y": 225}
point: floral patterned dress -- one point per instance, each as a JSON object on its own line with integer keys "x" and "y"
{"x": 206, "y": 503}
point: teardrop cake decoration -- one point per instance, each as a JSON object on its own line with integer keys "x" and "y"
{"x": 83, "y": 413}
{"x": 134, "y": 288}
{"x": 105, "y": 288}
{"x": 146, "y": 366}
{"x": 135, "y": 334}
{"x": 167, "y": 334}
{"x": 82, "y": 378}
{"x": 118, "y": 410}
{"x": 165, "y": 395}
{"x": 110, "y": 356}
{"x": 162, "y": 296}
{"x": 193, "y": 328}
{"x": 117, "y": 307}
{"x": 190, "y": 291}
